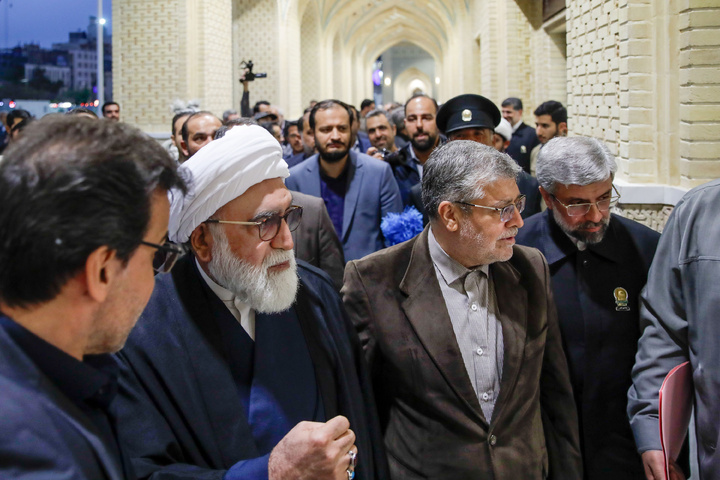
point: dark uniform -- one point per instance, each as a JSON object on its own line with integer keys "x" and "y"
{"x": 475, "y": 111}
{"x": 523, "y": 140}
{"x": 596, "y": 292}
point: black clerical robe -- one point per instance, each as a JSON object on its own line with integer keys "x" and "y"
{"x": 180, "y": 411}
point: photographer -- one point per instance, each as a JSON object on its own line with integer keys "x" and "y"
{"x": 247, "y": 77}
{"x": 381, "y": 134}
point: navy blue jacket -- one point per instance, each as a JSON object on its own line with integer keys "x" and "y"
{"x": 523, "y": 140}
{"x": 43, "y": 434}
{"x": 180, "y": 409}
{"x": 600, "y": 331}
{"x": 405, "y": 172}
{"x": 362, "y": 143}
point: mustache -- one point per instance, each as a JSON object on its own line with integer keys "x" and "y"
{"x": 512, "y": 232}
{"x": 586, "y": 225}
{"x": 277, "y": 257}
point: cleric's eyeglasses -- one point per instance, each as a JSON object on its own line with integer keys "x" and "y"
{"x": 269, "y": 227}
{"x": 506, "y": 212}
{"x": 165, "y": 256}
{"x": 580, "y": 209}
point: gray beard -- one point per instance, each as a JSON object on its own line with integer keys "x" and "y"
{"x": 263, "y": 291}
{"x": 588, "y": 238}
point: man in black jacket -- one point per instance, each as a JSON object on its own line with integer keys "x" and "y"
{"x": 524, "y": 138}
{"x": 599, "y": 264}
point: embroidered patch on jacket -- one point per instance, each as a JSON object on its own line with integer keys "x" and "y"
{"x": 621, "y": 299}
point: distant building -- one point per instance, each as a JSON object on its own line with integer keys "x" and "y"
{"x": 54, "y": 73}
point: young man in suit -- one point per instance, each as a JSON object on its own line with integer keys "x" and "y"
{"x": 358, "y": 190}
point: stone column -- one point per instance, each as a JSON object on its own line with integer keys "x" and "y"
{"x": 170, "y": 49}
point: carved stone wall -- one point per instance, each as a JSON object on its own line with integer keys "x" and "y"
{"x": 653, "y": 216}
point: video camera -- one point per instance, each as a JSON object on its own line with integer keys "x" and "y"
{"x": 249, "y": 75}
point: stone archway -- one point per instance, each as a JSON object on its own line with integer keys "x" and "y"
{"x": 409, "y": 81}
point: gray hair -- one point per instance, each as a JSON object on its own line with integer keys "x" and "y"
{"x": 227, "y": 113}
{"x": 378, "y": 112}
{"x": 397, "y": 116}
{"x": 459, "y": 171}
{"x": 574, "y": 161}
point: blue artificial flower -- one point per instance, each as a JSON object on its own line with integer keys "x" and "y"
{"x": 399, "y": 227}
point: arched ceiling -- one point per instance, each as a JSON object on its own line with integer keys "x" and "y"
{"x": 369, "y": 27}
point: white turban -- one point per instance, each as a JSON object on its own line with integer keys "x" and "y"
{"x": 220, "y": 172}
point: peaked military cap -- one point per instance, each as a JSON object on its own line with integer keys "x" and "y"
{"x": 467, "y": 111}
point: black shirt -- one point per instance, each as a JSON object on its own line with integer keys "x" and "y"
{"x": 91, "y": 384}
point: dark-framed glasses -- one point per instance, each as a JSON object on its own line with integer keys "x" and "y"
{"x": 269, "y": 226}
{"x": 580, "y": 209}
{"x": 165, "y": 256}
{"x": 506, "y": 212}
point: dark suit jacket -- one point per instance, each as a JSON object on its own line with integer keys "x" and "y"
{"x": 371, "y": 194}
{"x": 179, "y": 407}
{"x": 315, "y": 239}
{"x": 529, "y": 186}
{"x": 433, "y": 424}
{"x": 523, "y": 140}
{"x": 600, "y": 338}
{"x": 43, "y": 434}
{"x": 294, "y": 159}
{"x": 405, "y": 171}
{"x": 363, "y": 142}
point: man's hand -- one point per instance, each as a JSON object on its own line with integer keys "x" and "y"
{"x": 244, "y": 82}
{"x": 373, "y": 152}
{"x": 654, "y": 463}
{"x": 314, "y": 450}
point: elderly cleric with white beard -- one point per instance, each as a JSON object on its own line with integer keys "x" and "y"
{"x": 244, "y": 364}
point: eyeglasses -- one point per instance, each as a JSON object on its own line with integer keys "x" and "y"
{"x": 506, "y": 212}
{"x": 166, "y": 256}
{"x": 269, "y": 227}
{"x": 580, "y": 209}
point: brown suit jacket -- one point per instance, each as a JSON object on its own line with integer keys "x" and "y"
{"x": 315, "y": 239}
{"x": 431, "y": 418}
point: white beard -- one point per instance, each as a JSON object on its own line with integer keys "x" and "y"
{"x": 264, "y": 292}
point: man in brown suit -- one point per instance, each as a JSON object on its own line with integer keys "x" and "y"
{"x": 460, "y": 331}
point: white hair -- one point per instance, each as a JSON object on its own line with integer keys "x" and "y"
{"x": 574, "y": 161}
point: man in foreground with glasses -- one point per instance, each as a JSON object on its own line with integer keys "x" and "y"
{"x": 238, "y": 368}
{"x": 599, "y": 264}
{"x": 459, "y": 328}
{"x": 84, "y": 212}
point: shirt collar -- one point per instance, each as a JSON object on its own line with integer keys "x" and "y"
{"x": 226, "y": 296}
{"x": 450, "y": 269}
{"x": 516, "y": 126}
{"x": 91, "y": 382}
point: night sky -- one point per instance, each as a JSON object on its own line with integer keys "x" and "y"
{"x": 46, "y": 21}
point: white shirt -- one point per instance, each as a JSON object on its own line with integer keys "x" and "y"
{"x": 241, "y": 311}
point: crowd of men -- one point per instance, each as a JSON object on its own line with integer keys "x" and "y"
{"x": 224, "y": 306}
